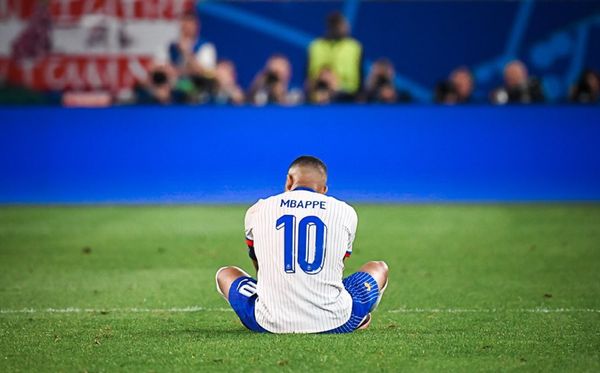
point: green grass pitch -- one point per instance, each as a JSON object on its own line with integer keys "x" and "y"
{"x": 472, "y": 288}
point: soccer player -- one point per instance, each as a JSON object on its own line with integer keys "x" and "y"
{"x": 298, "y": 241}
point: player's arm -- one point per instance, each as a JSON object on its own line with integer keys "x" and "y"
{"x": 351, "y": 229}
{"x": 249, "y": 228}
{"x": 251, "y": 252}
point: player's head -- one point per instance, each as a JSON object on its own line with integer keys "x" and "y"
{"x": 307, "y": 171}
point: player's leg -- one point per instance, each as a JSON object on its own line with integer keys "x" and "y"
{"x": 379, "y": 271}
{"x": 225, "y": 277}
{"x": 239, "y": 289}
{"x": 366, "y": 287}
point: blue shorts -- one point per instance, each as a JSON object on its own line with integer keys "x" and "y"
{"x": 364, "y": 292}
{"x": 242, "y": 298}
{"x": 362, "y": 288}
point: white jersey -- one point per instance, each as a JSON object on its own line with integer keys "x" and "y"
{"x": 300, "y": 239}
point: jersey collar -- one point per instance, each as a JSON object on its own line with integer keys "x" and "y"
{"x": 303, "y": 188}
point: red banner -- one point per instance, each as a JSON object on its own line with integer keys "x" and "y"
{"x": 64, "y": 10}
{"x": 77, "y": 72}
{"x": 84, "y": 44}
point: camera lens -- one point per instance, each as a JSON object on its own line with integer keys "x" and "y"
{"x": 159, "y": 77}
{"x": 321, "y": 85}
{"x": 271, "y": 78}
{"x": 382, "y": 80}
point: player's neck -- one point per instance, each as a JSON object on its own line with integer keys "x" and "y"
{"x": 305, "y": 186}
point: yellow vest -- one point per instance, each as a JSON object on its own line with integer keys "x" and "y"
{"x": 343, "y": 57}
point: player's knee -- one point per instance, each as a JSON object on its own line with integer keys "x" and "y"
{"x": 222, "y": 279}
{"x": 379, "y": 266}
{"x": 383, "y": 267}
{"x": 226, "y": 275}
{"x": 223, "y": 273}
{"x": 380, "y": 270}
{"x": 384, "y": 271}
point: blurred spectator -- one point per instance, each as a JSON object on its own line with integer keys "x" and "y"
{"x": 185, "y": 71}
{"x": 324, "y": 89}
{"x": 463, "y": 83}
{"x": 190, "y": 55}
{"x": 518, "y": 87}
{"x": 271, "y": 85}
{"x": 380, "y": 86}
{"x": 34, "y": 41}
{"x": 339, "y": 53}
{"x": 445, "y": 93}
{"x": 587, "y": 88}
{"x": 227, "y": 89}
{"x": 458, "y": 89}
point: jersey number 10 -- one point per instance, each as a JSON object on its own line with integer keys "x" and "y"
{"x": 296, "y": 246}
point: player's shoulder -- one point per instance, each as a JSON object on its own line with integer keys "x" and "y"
{"x": 262, "y": 203}
{"x": 255, "y": 207}
{"x": 343, "y": 205}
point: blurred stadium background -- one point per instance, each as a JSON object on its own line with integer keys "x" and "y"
{"x": 440, "y": 133}
{"x": 106, "y": 46}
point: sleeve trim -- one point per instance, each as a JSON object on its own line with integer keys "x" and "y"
{"x": 251, "y": 253}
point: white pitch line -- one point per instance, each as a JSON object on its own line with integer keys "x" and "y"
{"x": 115, "y": 310}
{"x": 193, "y": 309}
{"x": 495, "y": 310}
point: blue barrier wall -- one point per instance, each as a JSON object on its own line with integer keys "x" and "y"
{"x": 213, "y": 155}
{"x": 424, "y": 39}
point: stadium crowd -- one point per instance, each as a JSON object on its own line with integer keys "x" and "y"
{"x": 187, "y": 71}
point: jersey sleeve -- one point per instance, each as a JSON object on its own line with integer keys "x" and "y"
{"x": 249, "y": 229}
{"x": 351, "y": 229}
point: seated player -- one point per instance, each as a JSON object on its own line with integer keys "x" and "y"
{"x": 298, "y": 241}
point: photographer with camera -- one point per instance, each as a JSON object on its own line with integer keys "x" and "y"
{"x": 587, "y": 89}
{"x": 458, "y": 89}
{"x": 158, "y": 87}
{"x": 190, "y": 54}
{"x": 380, "y": 87}
{"x": 227, "y": 90}
{"x": 271, "y": 85}
{"x": 341, "y": 54}
{"x": 518, "y": 87}
{"x": 324, "y": 89}
{"x": 194, "y": 61}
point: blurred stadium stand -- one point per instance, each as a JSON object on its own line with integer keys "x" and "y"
{"x": 86, "y": 53}
{"x": 84, "y": 44}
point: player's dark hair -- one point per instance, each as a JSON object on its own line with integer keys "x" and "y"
{"x": 310, "y": 161}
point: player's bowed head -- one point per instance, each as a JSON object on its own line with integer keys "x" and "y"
{"x": 309, "y": 172}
